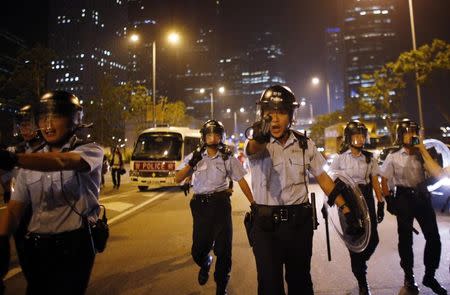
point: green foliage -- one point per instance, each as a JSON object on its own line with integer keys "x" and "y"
{"x": 416, "y": 66}
{"x": 129, "y": 106}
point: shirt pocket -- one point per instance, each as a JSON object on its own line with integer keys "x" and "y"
{"x": 67, "y": 183}
{"x": 297, "y": 170}
{"x": 34, "y": 185}
{"x": 218, "y": 172}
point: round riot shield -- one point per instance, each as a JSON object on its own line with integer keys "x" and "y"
{"x": 357, "y": 204}
{"x": 443, "y": 153}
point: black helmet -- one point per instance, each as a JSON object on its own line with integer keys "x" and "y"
{"x": 61, "y": 103}
{"x": 352, "y": 128}
{"x": 212, "y": 126}
{"x": 25, "y": 114}
{"x": 278, "y": 97}
{"x": 403, "y": 127}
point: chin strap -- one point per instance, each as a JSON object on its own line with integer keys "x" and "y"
{"x": 359, "y": 148}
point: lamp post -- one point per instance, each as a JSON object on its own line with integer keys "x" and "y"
{"x": 316, "y": 81}
{"x": 173, "y": 38}
{"x": 221, "y": 90}
{"x": 413, "y": 35}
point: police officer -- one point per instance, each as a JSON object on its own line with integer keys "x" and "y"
{"x": 31, "y": 140}
{"x": 283, "y": 226}
{"x": 61, "y": 183}
{"x": 411, "y": 200}
{"x": 212, "y": 167}
{"x": 361, "y": 166}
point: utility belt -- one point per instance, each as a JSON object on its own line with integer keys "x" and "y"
{"x": 57, "y": 241}
{"x": 206, "y": 198}
{"x": 267, "y": 217}
{"x": 411, "y": 191}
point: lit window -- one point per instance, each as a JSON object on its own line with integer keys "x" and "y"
{"x": 67, "y": 75}
{"x": 362, "y": 13}
{"x": 385, "y": 12}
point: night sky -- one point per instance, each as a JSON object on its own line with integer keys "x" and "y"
{"x": 300, "y": 25}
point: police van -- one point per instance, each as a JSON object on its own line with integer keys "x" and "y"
{"x": 157, "y": 153}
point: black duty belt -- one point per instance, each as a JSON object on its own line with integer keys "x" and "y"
{"x": 205, "y": 198}
{"x": 282, "y": 213}
{"x": 406, "y": 190}
{"x": 54, "y": 240}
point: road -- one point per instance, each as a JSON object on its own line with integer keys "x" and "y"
{"x": 149, "y": 251}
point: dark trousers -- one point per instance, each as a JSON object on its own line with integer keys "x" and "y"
{"x": 283, "y": 243}
{"x": 115, "y": 173}
{"x": 59, "y": 264}
{"x": 359, "y": 260}
{"x": 213, "y": 229}
{"x": 413, "y": 204}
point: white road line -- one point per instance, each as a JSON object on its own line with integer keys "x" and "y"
{"x": 14, "y": 271}
{"x": 122, "y": 215}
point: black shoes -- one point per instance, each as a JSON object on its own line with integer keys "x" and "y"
{"x": 410, "y": 284}
{"x": 433, "y": 284}
{"x": 203, "y": 274}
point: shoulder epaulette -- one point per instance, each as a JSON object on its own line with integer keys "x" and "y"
{"x": 302, "y": 139}
{"x": 368, "y": 155}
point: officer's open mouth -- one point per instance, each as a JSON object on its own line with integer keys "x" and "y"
{"x": 50, "y": 132}
{"x": 275, "y": 128}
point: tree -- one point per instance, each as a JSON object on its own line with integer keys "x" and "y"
{"x": 391, "y": 80}
{"x": 27, "y": 81}
{"x": 129, "y": 106}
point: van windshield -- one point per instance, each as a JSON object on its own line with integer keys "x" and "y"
{"x": 158, "y": 146}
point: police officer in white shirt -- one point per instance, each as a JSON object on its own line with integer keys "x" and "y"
{"x": 283, "y": 227}
{"x": 361, "y": 166}
{"x": 412, "y": 201}
{"x": 213, "y": 167}
{"x": 61, "y": 182}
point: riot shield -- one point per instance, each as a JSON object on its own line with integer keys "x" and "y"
{"x": 357, "y": 204}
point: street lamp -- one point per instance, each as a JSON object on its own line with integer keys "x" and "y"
{"x": 221, "y": 90}
{"x": 173, "y": 38}
{"x": 316, "y": 81}
{"x": 413, "y": 35}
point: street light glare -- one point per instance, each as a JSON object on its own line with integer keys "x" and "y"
{"x": 222, "y": 89}
{"x": 134, "y": 38}
{"x": 202, "y": 90}
{"x": 315, "y": 81}
{"x": 174, "y": 38}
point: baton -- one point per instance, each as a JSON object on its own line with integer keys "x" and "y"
{"x": 314, "y": 211}
{"x": 327, "y": 232}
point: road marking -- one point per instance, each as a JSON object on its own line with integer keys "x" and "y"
{"x": 124, "y": 214}
{"x": 118, "y": 206}
{"x": 124, "y": 194}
